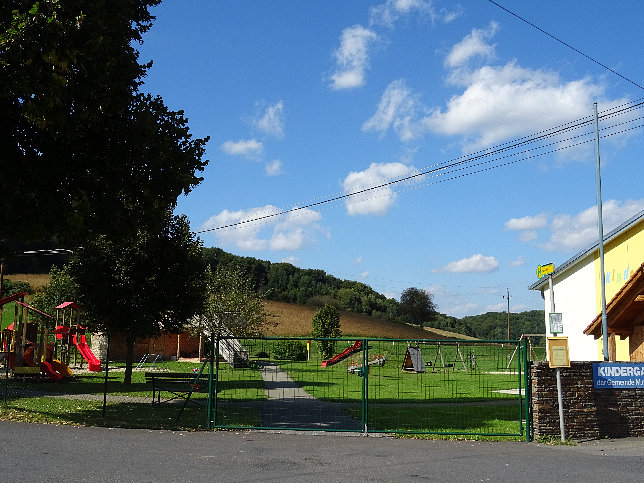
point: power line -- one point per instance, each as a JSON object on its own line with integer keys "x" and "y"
{"x": 483, "y": 160}
{"x": 567, "y": 44}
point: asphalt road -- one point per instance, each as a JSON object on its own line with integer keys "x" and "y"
{"x": 31, "y": 452}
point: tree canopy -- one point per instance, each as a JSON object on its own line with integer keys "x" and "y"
{"x": 153, "y": 284}
{"x": 232, "y": 304}
{"x": 84, "y": 152}
{"x": 417, "y": 305}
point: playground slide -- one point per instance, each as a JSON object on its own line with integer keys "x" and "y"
{"x": 61, "y": 368}
{"x": 344, "y": 354}
{"x": 46, "y": 368}
{"x": 86, "y": 352}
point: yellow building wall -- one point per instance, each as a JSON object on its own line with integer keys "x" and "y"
{"x": 622, "y": 256}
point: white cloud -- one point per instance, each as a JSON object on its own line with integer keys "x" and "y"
{"x": 519, "y": 101}
{"x": 398, "y": 109}
{"x": 256, "y": 229}
{"x": 378, "y": 200}
{"x": 290, "y": 259}
{"x": 388, "y": 13}
{"x": 352, "y": 57}
{"x": 358, "y": 260}
{"x": 494, "y": 102}
{"x": 364, "y": 274}
{"x": 468, "y": 308}
{"x": 472, "y": 45}
{"x": 518, "y": 262}
{"x": 527, "y": 222}
{"x": 500, "y": 307}
{"x": 577, "y": 232}
{"x": 273, "y": 168}
{"x": 527, "y": 226}
{"x": 474, "y": 264}
{"x": 249, "y": 148}
{"x": 271, "y": 122}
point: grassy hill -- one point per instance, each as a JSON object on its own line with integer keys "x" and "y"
{"x": 296, "y": 320}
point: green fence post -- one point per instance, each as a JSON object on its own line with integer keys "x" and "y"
{"x": 214, "y": 352}
{"x": 528, "y": 391}
{"x": 365, "y": 385}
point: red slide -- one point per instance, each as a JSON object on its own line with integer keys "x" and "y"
{"x": 46, "y": 368}
{"x": 86, "y": 352}
{"x": 345, "y": 353}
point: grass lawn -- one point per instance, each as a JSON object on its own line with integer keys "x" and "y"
{"x": 460, "y": 391}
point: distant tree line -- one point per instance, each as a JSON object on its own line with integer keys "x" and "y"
{"x": 287, "y": 283}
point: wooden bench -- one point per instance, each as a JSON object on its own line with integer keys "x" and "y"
{"x": 180, "y": 385}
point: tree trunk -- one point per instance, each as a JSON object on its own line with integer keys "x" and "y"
{"x": 129, "y": 357}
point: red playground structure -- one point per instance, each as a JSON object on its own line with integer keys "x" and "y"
{"x": 68, "y": 332}
{"x": 343, "y": 355}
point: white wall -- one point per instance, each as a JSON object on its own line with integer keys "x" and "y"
{"x": 575, "y": 299}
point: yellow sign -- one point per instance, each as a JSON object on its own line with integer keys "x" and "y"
{"x": 545, "y": 269}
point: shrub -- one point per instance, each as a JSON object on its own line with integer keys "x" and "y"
{"x": 293, "y": 350}
{"x": 9, "y": 288}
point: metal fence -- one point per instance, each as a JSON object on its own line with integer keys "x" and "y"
{"x": 376, "y": 385}
{"x": 367, "y": 385}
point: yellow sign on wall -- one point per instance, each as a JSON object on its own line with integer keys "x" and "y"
{"x": 545, "y": 269}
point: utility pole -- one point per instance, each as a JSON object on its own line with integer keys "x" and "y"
{"x": 600, "y": 226}
{"x": 508, "y": 298}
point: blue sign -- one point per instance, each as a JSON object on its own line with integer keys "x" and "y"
{"x": 613, "y": 375}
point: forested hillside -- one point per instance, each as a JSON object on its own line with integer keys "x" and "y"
{"x": 284, "y": 282}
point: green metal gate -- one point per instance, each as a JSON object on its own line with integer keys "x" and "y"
{"x": 455, "y": 387}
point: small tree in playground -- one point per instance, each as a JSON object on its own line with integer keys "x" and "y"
{"x": 61, "y": 288}
{"x": 143, "y": 286}
{"x": 232, "y": 304}
{"x": 326, "y": 324}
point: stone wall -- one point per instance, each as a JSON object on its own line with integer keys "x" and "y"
{"x": 589, "y": 413}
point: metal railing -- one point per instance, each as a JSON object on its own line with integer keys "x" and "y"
{"x": 453, "y": 387}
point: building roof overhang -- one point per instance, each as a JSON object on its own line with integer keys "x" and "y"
{"x": 625, "y": 310}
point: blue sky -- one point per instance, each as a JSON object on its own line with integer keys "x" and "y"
{"x": 308, "y": 102}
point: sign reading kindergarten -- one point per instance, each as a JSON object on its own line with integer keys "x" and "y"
{"x": 607, "y": 375}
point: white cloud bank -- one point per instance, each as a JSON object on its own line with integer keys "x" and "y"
{"x": 519, "y": 100}
{"x": 390, "y": 12}
{"x": 352, "y": 57}
{"x": 474, "y": 264}
{"x": 373, "y": 201}
{"x": 574, "y": 232}
{"x": 249, "y": 148}
{"x": 255, "y": 228}
{"x": 271, "y": 121}
{"x": 273, "y": 168}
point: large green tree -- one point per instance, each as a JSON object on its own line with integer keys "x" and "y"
{"x": 417, "y": 306}
{"x": 155, "y": 283}
{"x": 83, "y": 151}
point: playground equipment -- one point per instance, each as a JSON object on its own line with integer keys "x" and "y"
{"x": 458, "y": 357}
{"x": 68, "y": 329}
{"x": 24, "y": 344}
{"x": 343, "y": 355}
{"x": 531, "y": 349}
{"x": 355, "y": 368}
{"x": 413, "y": 361}
{"x": 232, "y": 351}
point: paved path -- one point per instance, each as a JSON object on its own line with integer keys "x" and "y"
{"x": 290, "y": 406}
{"x": 32, "y": 452}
